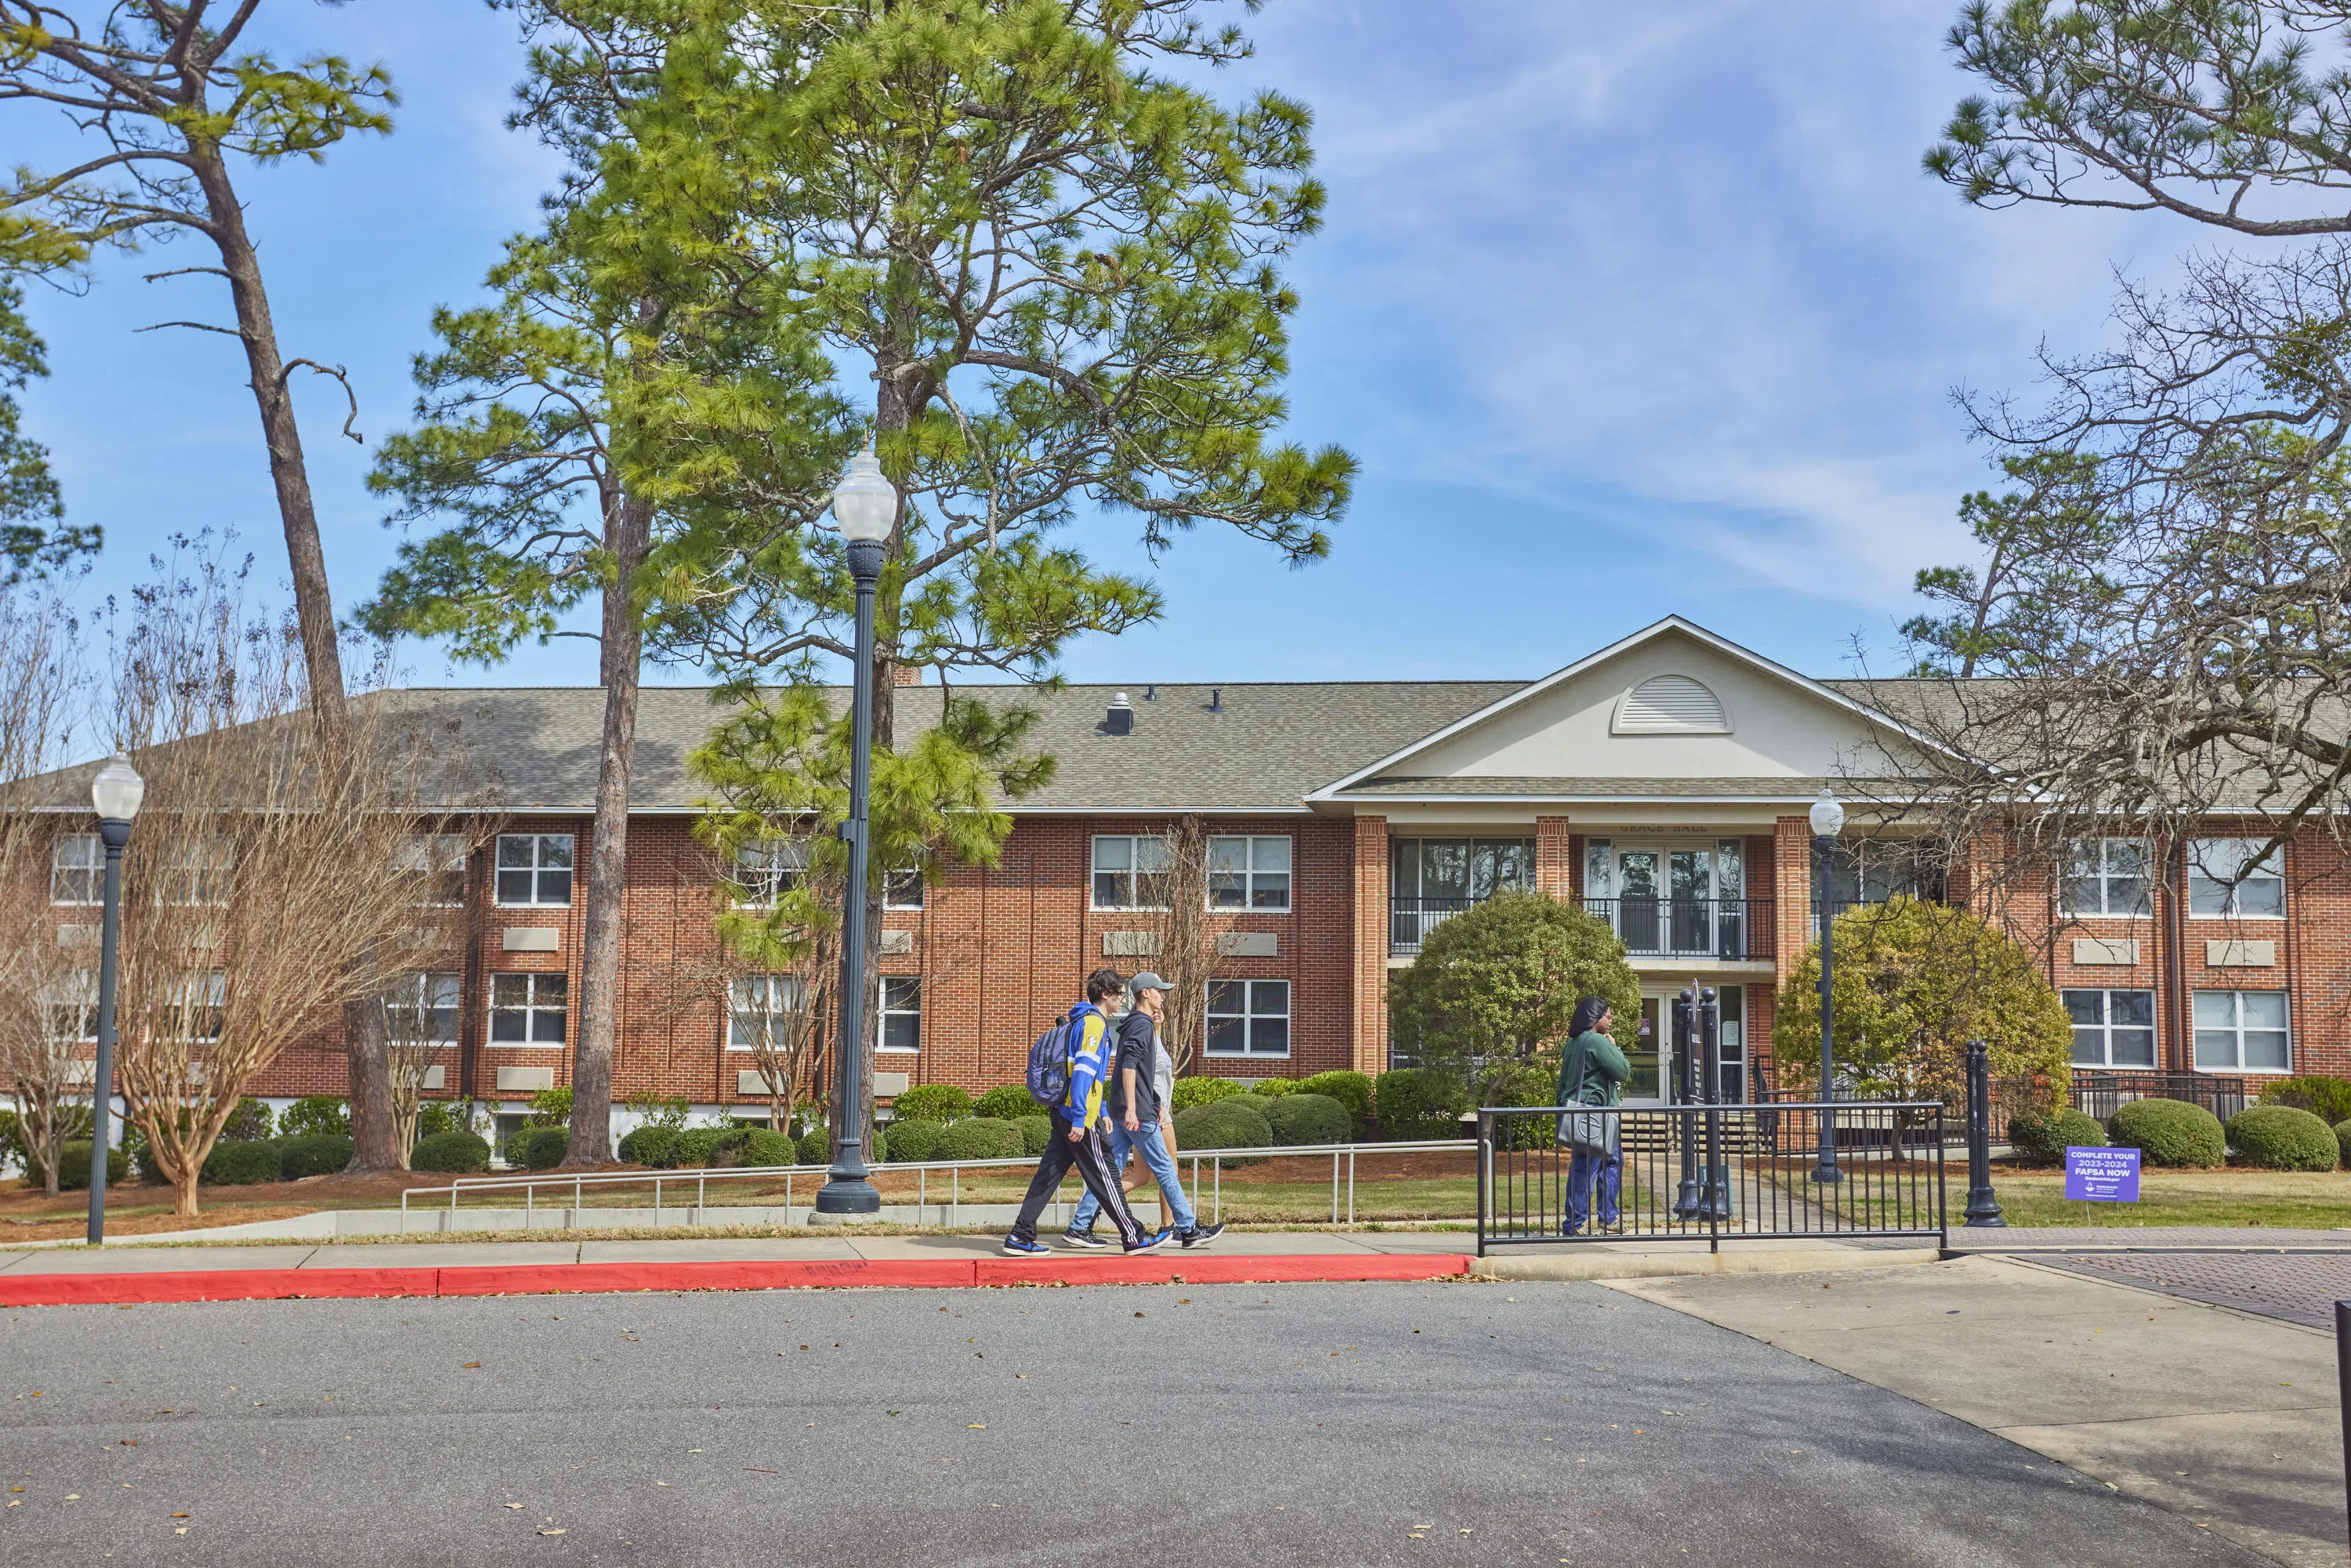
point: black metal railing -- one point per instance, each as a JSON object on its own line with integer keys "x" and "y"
{"x": 1704, "y": 1173}
{"x": 2101, "y": 1094}
{"x": 1736, "y": 928}
{"x": 1410, "y": 920}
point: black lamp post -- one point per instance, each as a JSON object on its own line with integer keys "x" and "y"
{"x": 865, "y": 505}
{"x": 1828, "y": 821}
{"x": 116, "y": 792}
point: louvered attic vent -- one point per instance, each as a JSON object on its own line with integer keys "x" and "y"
{"x": 1670, "y": 705}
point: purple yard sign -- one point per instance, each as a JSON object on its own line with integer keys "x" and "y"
{"x": 2102, "y": 1176}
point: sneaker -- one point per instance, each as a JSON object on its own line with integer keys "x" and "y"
{"x": 1201, "y": 1235}
{"x": 1086, "y": 1239}
{"x": 1151, "y": 1243}
{"x": 1016, "y": 1248}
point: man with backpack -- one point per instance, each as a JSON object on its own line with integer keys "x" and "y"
{"x": 1068, "y": 1073}
{"x": 1139, "y": 1087}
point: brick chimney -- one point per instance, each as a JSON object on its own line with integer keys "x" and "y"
{"x": 906, "y": 674}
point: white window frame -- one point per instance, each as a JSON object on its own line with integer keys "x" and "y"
{"x": 2214, "y": 861}
{"x": 537, "y": 868}
{"x": 533, "y": 1005}
{"x": 892, "y": 996}
{"x": 1249, "y": 1017}
{"x": 1255, "y": 851}
{"x": 193, "y": 871}
{"x": 764, "y": 873}
{"x": 436, "y": 994}
{"x": 2235, "y": 1031}
{"x": 215, "y": 1003}
{"x": 1137, "y": 849}
{"x": 68, "y": 869}
{"x": 77, "y": 992}
{"x": 771, "y": 997}
{"x": 437, "y": 861}
{"x": 904, "y": 888}
{"x": 2105, "y": 1026}
{"x": 2105, "y": 876}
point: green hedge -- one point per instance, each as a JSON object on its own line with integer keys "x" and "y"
{"x": 457, "y": 1152}
{"x": 543, "y": 1148}
{"x": 1308, "y": 1119}
{"x": 650, "y": 1144}
{"x": 1531, "y": 1084}
{"x": 2169, "y": 1133}
{"x": 2343, "y": 1140}
{"x": 1191, "y": 1091}
{"x": 251, "y": 1119}
{"x": 434, "y": 1117}
{"x": 1036, "y": 1132}
{"x": 1233, "y": 1123}
{"x": 931, "y": 1103}
{"x": 1414, "y": 1103}
{"x": 1352, "y": 1090}
{"x": 816, "y": 1146}
{"x": 974, "y": 1139}
{"x": 2043, "y": 1138}
{"x": 322, "y": 1154}
{"x": 312, "y": 1114}
{"x": 2329, "y": 1098}
{"x": 915, "y": 1140}
{"x": 240, "y": 1162}
{"x": 1005, "y": 1102}
{"x": 766, "y": 1146}
{"x": 73, "y": 1166}
{"x": 1274, "y": 1088}
{"x": 2283, "y": 1138}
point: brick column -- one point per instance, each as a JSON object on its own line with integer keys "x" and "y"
{"x": 1555, "y": 858}
{"x": 1370, "y": 957}
{"x": 1791, "y": 880}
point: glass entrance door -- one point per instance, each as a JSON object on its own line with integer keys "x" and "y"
{"x": 1640, "y": 910}
{"x": 1651, "y": 1057}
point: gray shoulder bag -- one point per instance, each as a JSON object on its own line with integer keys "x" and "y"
{"x": 1587, "y": 1131}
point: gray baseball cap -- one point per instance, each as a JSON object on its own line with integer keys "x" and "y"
{"x": 1146, "y": 982}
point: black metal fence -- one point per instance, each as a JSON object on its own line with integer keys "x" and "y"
{"x": 2101, "y": 1094}
{"x": 1733, "y": 928}
{"x": 1704, "y": 1173}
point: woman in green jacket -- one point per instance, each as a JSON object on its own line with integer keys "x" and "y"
{"x": 1593, "y": 1072}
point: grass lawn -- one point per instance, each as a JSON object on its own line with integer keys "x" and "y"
{"x": 2291, "y": 1201}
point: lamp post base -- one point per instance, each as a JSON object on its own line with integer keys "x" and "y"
{"x": 1983, "y": 1211}
{"x": 847, "y": 1196}
{"x": 1827, "y": 1176}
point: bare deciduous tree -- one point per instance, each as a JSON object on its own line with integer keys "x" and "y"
{"x": 1189, "y": 934}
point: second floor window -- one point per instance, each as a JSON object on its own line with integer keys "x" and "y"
{"x": 76, "y": 869}
{"x": 69, "y": 1008}
{"x": 1440, "y": 871}
{"x": 435, "y": 865}
{"x": 1249, "y": 874}
{"x": 199, "y": 1005}
{"x": 903, "y": 889}
{"x": 196, "y": 871}
{"x": 2105, "y": 876}
{"x": 899, "y": 1019}
{"x": 2225, "y": 879}
{"x": 528, "y": 1009}
{"x": 534, "y": 869}
{"x": 421, "y": 1009}
{"x": 1130, "y": 871}
{"x": 759, "y": 1009}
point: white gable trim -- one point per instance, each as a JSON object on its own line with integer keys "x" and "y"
{"x": 1720, "y": 644}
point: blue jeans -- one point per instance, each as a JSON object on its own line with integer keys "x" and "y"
{"x": 1609, "y": 1166}
{"x": 1144, "y": 1141}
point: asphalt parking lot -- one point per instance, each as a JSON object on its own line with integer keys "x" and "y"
{"x": 1212, "y": 1425}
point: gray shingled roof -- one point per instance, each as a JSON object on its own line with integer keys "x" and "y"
{"x": 1599, "y": 788}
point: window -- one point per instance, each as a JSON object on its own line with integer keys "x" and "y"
{"x": 765, "y": 873}
{"x": 1249, "y": 874}
{"x": 436, "y": 863}
{"x": 900, "y": 1015}
{"x": 198, "y": 1003}
{"x": 421, "y": 1009}
{"x": 1130, "y": 871}
{"x": 69, "y": 1008}
{"x": 528, "y": 1009}
{"x": 2112, "y": 1029}
{"x": 534, "y": 868}
{"x": 2225, "y": 880}
{"x": 1248, "y": 1018}
{"x": 2241, "y": 1031}
{"x": 903, "y": 889}
{"x": 1872, "y": 870}
{"x": 1732, "y": 1002}
{"x": 757, "y": 1007}
{"x": 77, "y": 870}
{"x": 1461, "y": 871}
{"x": 2105, "y": 876}
{"x": 197, "y": 873}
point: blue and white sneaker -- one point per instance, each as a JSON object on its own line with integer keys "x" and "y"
{"x": 1016, "y": 1248}
{"x": 1085, "y": 1239}
{"x": 1200, "y": 1236}
{"x": 1152, "y": 1243}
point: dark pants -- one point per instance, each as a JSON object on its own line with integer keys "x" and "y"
{"x": 1586, "y": 1164}
{"x": 1090, "y": 1156}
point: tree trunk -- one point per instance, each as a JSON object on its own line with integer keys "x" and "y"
{"x": 183, "y": 1193}
{"x": 376, "y": 1144}
{"x": 599, "y": 962}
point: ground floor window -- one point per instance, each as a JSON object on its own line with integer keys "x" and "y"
{"x": 760, "y": 1011}
{"x": 900, "y": 1014}
{"x": 2112, "y": 1029}
{"x": 1248, "y": 1018}
{"x": 421, "y": 1009}
{"x": 2243, "y": 1031}
{"x": 1733, "y": 1002}
{"x": 528, "y": 1009}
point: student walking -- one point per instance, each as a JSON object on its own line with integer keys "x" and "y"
{"x": 1137, "y": 1101}
{"x": 1591, "y": 1070}
{"x": 1079, "y": 1138}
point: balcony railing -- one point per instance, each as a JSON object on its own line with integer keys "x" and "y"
{"x": 1410, "y": 920}
{"x": 1732, "y": 928}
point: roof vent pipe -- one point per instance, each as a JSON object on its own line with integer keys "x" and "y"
{"x": 1150, "y": 693}
{"x": 1216, "y": 699}
{"x": 1122, "y": 717}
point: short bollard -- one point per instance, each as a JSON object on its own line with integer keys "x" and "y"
{"x": 2343, "y": 1386}
{"x": 1982, "y": 1208}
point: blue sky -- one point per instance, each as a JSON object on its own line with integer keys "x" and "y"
{"x": 1624, "y": 309}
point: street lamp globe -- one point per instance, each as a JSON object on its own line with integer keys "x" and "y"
{"x": 117, "y": 790}
{"x": 1828, "y": 815}
{"x": 865, "y": 504}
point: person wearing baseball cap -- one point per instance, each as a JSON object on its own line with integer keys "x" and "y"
{"x": 1137, "y": 1101}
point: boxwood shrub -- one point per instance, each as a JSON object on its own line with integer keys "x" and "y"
{"x": 2329, "y": 1098}
{"x": 917, "y": 1140}
{"x": 314, "y": 1113}
{"x": 1521, "y": 1083}
{"x": 1005, "y": 1102}
{"x": 1414, "y": 1103}
{"x": 73, "y": 1166}
{"x": 251, "y": 1119}
{"x": 2041, "y": 1138}
{"x": 1234, "y": 1122}
{"x": 931, "y": 1102}
{"x": 2169, "y": 1133}
{"x": 458, "y": 1152}
{"x": 1273, "y": 1088}
{"x": 816, "y": 1146}
{"x": 766, "y": 1146}
{"x": 973, "y": 1139}
{"x": 1308, "y": 1119}
{"x": 651, "y": 1145}
{"x": 1036, "y": 1132}
{"x": 543, "y": 1148}
{"x": 240, "y": 1162}
{"x": 2343, "y": 1140}
{"x": 1352, "y": 1090}
{"x": 320, "y": 1154}
{"x": 2283, "y": 1138}
{"x": 1191, "y": 1091}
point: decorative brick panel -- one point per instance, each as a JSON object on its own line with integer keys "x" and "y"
{"x": 1369, "y": 1047}
{"x": 1555, "y": 869}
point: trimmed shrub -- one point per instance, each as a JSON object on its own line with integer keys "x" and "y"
{"x": 544, "y": 1147}
{"x": 2283, "y": 1138}
{"x": 2041, "y": 1138}
{"x": 2169, "y": 1133}
{"x": 1308, "y": 1119}
{"x": 434, "y": 1117}
{"x": 877, "y": 1146}
{"x": 322, "y": 1154}
{"x": 249, "y": 1120}
{"x": 1352, "y": 1090}
{"x": 1191, "y": 1091}
{"x": 240, "y": 1162}
{"x": 1524, "y": 1083}
{"x": 1036, "y": 1132}
{"x": 932, "y": 1102}
{"x": 1416, "y": 1102}
{"x": 2343, "y": 1140}
{"x": 551, "y": 1107}
{"x": 456, "y": 1152}
{"x": 914, "y": 1140}
{"x": 1005, "y": 1102}
{"x": 652, "y": 1145}
{"x": 766, "y": 1146}
{"x": 73, "y": 1166}
{"x": 1233, "y": 1123}
{"x": 973, "y": 1139}
{"x": 2329, "y": 1098}
{"x": 312, "y": 1114}
{"x": 816, "y": 1146}
{"x": 705, "y": 1146}
{"x": 1274, "y": 1088}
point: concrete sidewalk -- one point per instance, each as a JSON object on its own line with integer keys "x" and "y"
{"x": 2226, "y": 1418}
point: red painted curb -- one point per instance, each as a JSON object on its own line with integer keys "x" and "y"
{"x": 565, "y": 1279}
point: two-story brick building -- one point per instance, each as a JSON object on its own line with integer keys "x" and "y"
{"x": 1663, "y": 781}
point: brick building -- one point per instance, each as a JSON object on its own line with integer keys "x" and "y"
{"x": 1662, "y": 781}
